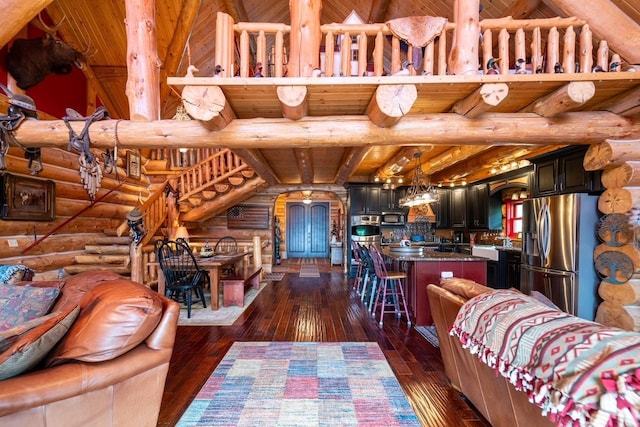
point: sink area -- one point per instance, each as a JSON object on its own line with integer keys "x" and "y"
{"x": 485, "y": 251}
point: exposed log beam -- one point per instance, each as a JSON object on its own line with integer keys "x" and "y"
{"x": 626, "y": 104}
{"x": 350, "y": 161}
{"x": 293, "y": 100}
{"x": 391, "y": 103}
{"x": 221, "y": 203}
{"x": 450, "y": 156}
{"x": 345, "y": 131}
{"x": 607, "y": 21}
{"x": 563, "y": 99}
{"x": 278, "y": 189}
{"x": 305, "y": 167}
{"x": 17, "y": 14}
{"x": 482, "y": 100}
{"x": 257, "y": 162}
{"x": 208, "y": 105}
{"x": 188, "y": 14}
{"x": 401, "y": 161}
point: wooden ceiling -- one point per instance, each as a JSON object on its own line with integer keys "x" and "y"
{"x": 186, "y": 36}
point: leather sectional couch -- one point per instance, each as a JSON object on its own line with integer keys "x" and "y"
{"x": 109, "y": 369}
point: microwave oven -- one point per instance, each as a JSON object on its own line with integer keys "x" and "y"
{"x": 393, "y": 218}
{"x": 365, "y": 220}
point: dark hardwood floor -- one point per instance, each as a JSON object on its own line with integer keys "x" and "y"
{"x": 317, "y": 309}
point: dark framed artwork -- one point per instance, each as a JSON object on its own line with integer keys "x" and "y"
{"x": 25, "y": 198}
{"x": 248, "y": 216}
{"x": 133, "y": 164}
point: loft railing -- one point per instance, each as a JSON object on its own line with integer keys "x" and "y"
{"x": 542, "y": 43}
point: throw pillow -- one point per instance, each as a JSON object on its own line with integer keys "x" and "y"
{"x": 22, "y": 303}
{"x": 11, "y": 273}
{"x": 23, "y": 349}
{"x": 115, "y": 316}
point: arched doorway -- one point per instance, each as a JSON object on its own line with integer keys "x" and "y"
{"x": 307, "y": 234}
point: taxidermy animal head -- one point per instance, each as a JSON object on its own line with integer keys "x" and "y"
{"x": 30, "y": 60}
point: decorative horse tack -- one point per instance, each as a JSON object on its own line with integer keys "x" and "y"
{"x": 20, "y": 107}
{"x": 90, "y": 172}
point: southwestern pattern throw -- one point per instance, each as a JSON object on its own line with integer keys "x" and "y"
{"x": 579, "y": 372}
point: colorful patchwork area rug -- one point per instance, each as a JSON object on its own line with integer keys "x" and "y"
{"x": 309, "y": 270}
{"x": 273, "y": 277}
{"x": 301, "y": 384}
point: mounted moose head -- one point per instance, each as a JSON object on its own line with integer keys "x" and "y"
{"x": 30, "y": 60}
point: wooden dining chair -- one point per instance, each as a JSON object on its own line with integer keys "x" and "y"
{"x": 183, "y": 276}
{"x": 226, "y": 246}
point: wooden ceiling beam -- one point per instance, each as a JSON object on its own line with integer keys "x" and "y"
{"x": 563, "y": 99}
{"x": 350, "y": 161}
{"x": 345, "y": 131}
{"x": 16, "y": 14}
{"x": 176, "y": 48}
{"x": 390, "y": 103}
{"x": 626, "y": 104}
{"x": 450, "y": 156}
{"x": 257, "y": 162}
{"x": 294, "y": 101}
{"x": 305, "y": 165}
{"x": 481, "y": 100}
{"x": 401, "y": 161}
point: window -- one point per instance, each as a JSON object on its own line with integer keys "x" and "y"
{"x": 514, "y": 218}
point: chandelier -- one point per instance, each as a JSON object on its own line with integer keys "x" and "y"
{"x": 420, "y": 192}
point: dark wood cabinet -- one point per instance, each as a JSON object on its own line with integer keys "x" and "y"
{"x": 364, "y": 199}
{"x": 478, "y": 206}
{"x": 513, "y": 259}
{"x": 390, "y": 199}
{"x": 458, "y": 211}
{"x": 442, "y": 209}
{"x": 493, "y": 276}
{"x": 561, "y": 172}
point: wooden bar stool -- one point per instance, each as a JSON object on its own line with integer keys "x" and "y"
{"x": 390, "y": 293}
{"x": 357, "y": 281}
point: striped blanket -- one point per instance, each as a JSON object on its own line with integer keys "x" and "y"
{"x": 579, "y": 372}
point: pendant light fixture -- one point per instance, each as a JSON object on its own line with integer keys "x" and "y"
{"x": 420, "y": 192}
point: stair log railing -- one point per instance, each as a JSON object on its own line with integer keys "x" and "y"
{"x": 542, "y": 43}
{"x": 178, "y": 158}
{"x": 216, "y": 169}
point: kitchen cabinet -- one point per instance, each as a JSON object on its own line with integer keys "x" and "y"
{"x": 511, "y": 261}
{"x": 390, "y": 199}
{"x": 484, "y": 212}
{"x": 442, "y": 209}
{"x": 493, "y": 276}
{"x": 562, "y": 172}
{"x": 364, "y": 199}
{"x": 458, "y": 211}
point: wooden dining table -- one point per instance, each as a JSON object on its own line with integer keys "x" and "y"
{"x": 213, "y": 265}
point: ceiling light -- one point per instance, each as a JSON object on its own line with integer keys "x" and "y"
{"x": 419, "y": 193}
{"x": 376, "y": 179}
{"x": 183, "y": 150}
{"x": 464, "y": 182}
{"x": 307, "y": 201}
{"x": 400, "y": 180}
{"x": 494, "y": 171}
{"x": 451, "y": 184}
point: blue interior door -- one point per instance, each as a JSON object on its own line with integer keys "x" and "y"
{"x": 308, "y": 230}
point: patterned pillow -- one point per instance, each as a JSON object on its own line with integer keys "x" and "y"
{"x": 22, "y": 303}
{"x": 24, "y": 347}
{"x": 12, "y": 273}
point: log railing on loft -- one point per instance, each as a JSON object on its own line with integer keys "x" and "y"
{"x": 180, "y": 158}
{"x": 542, "y": 43}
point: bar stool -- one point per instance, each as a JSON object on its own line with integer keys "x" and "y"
{"x": 369, "y": 279}
{"x": 357, "y": 281}
{"x": 390, "y": 294}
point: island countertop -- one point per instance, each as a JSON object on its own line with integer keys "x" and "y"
{"x": 429, "y": 256}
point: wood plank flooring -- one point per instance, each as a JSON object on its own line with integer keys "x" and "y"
{"x": 317, "y": 309}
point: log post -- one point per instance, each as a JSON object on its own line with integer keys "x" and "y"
{"x": 483, "y": 99}
{"x": 293, "y": 100}
{"x": 305, "y": 36}
{"x": 143, "y": 64}
{"x": 463, "y": 58}
{"x": 257, "y": 252}
{"x": 563, "y": 99}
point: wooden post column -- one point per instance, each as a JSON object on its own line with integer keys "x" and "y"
{"x": 143, "y": 83}
{"x": 305, "y": 37}
{"x": 463, "y": 58}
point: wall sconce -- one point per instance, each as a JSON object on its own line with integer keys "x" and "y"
{"x": 182, "y": 233}
{"x": 307, "y": 197}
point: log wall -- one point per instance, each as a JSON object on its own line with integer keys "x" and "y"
{"x": 60, "y": 249}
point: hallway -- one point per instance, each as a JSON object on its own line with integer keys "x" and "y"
{"x": 316, "y": 309}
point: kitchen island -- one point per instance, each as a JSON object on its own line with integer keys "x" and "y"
{"x": 425, "y": 267}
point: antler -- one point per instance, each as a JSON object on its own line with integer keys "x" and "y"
{"x": 40, "y": 24}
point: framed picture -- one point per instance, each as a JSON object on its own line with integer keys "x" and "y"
{"x": 133, "y": 164}
{"x": 26, "y": 198}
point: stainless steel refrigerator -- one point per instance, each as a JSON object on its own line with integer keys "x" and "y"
{"x": 559, "y": 237}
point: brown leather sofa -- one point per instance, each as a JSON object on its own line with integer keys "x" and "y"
{"x": 115, "y": 375}
{"x": 498, "y": 401}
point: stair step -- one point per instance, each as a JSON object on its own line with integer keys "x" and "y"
{"x": 108, "y": 249}
{"x": 81, "y": 268}
{"x": 102, "y": 259}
